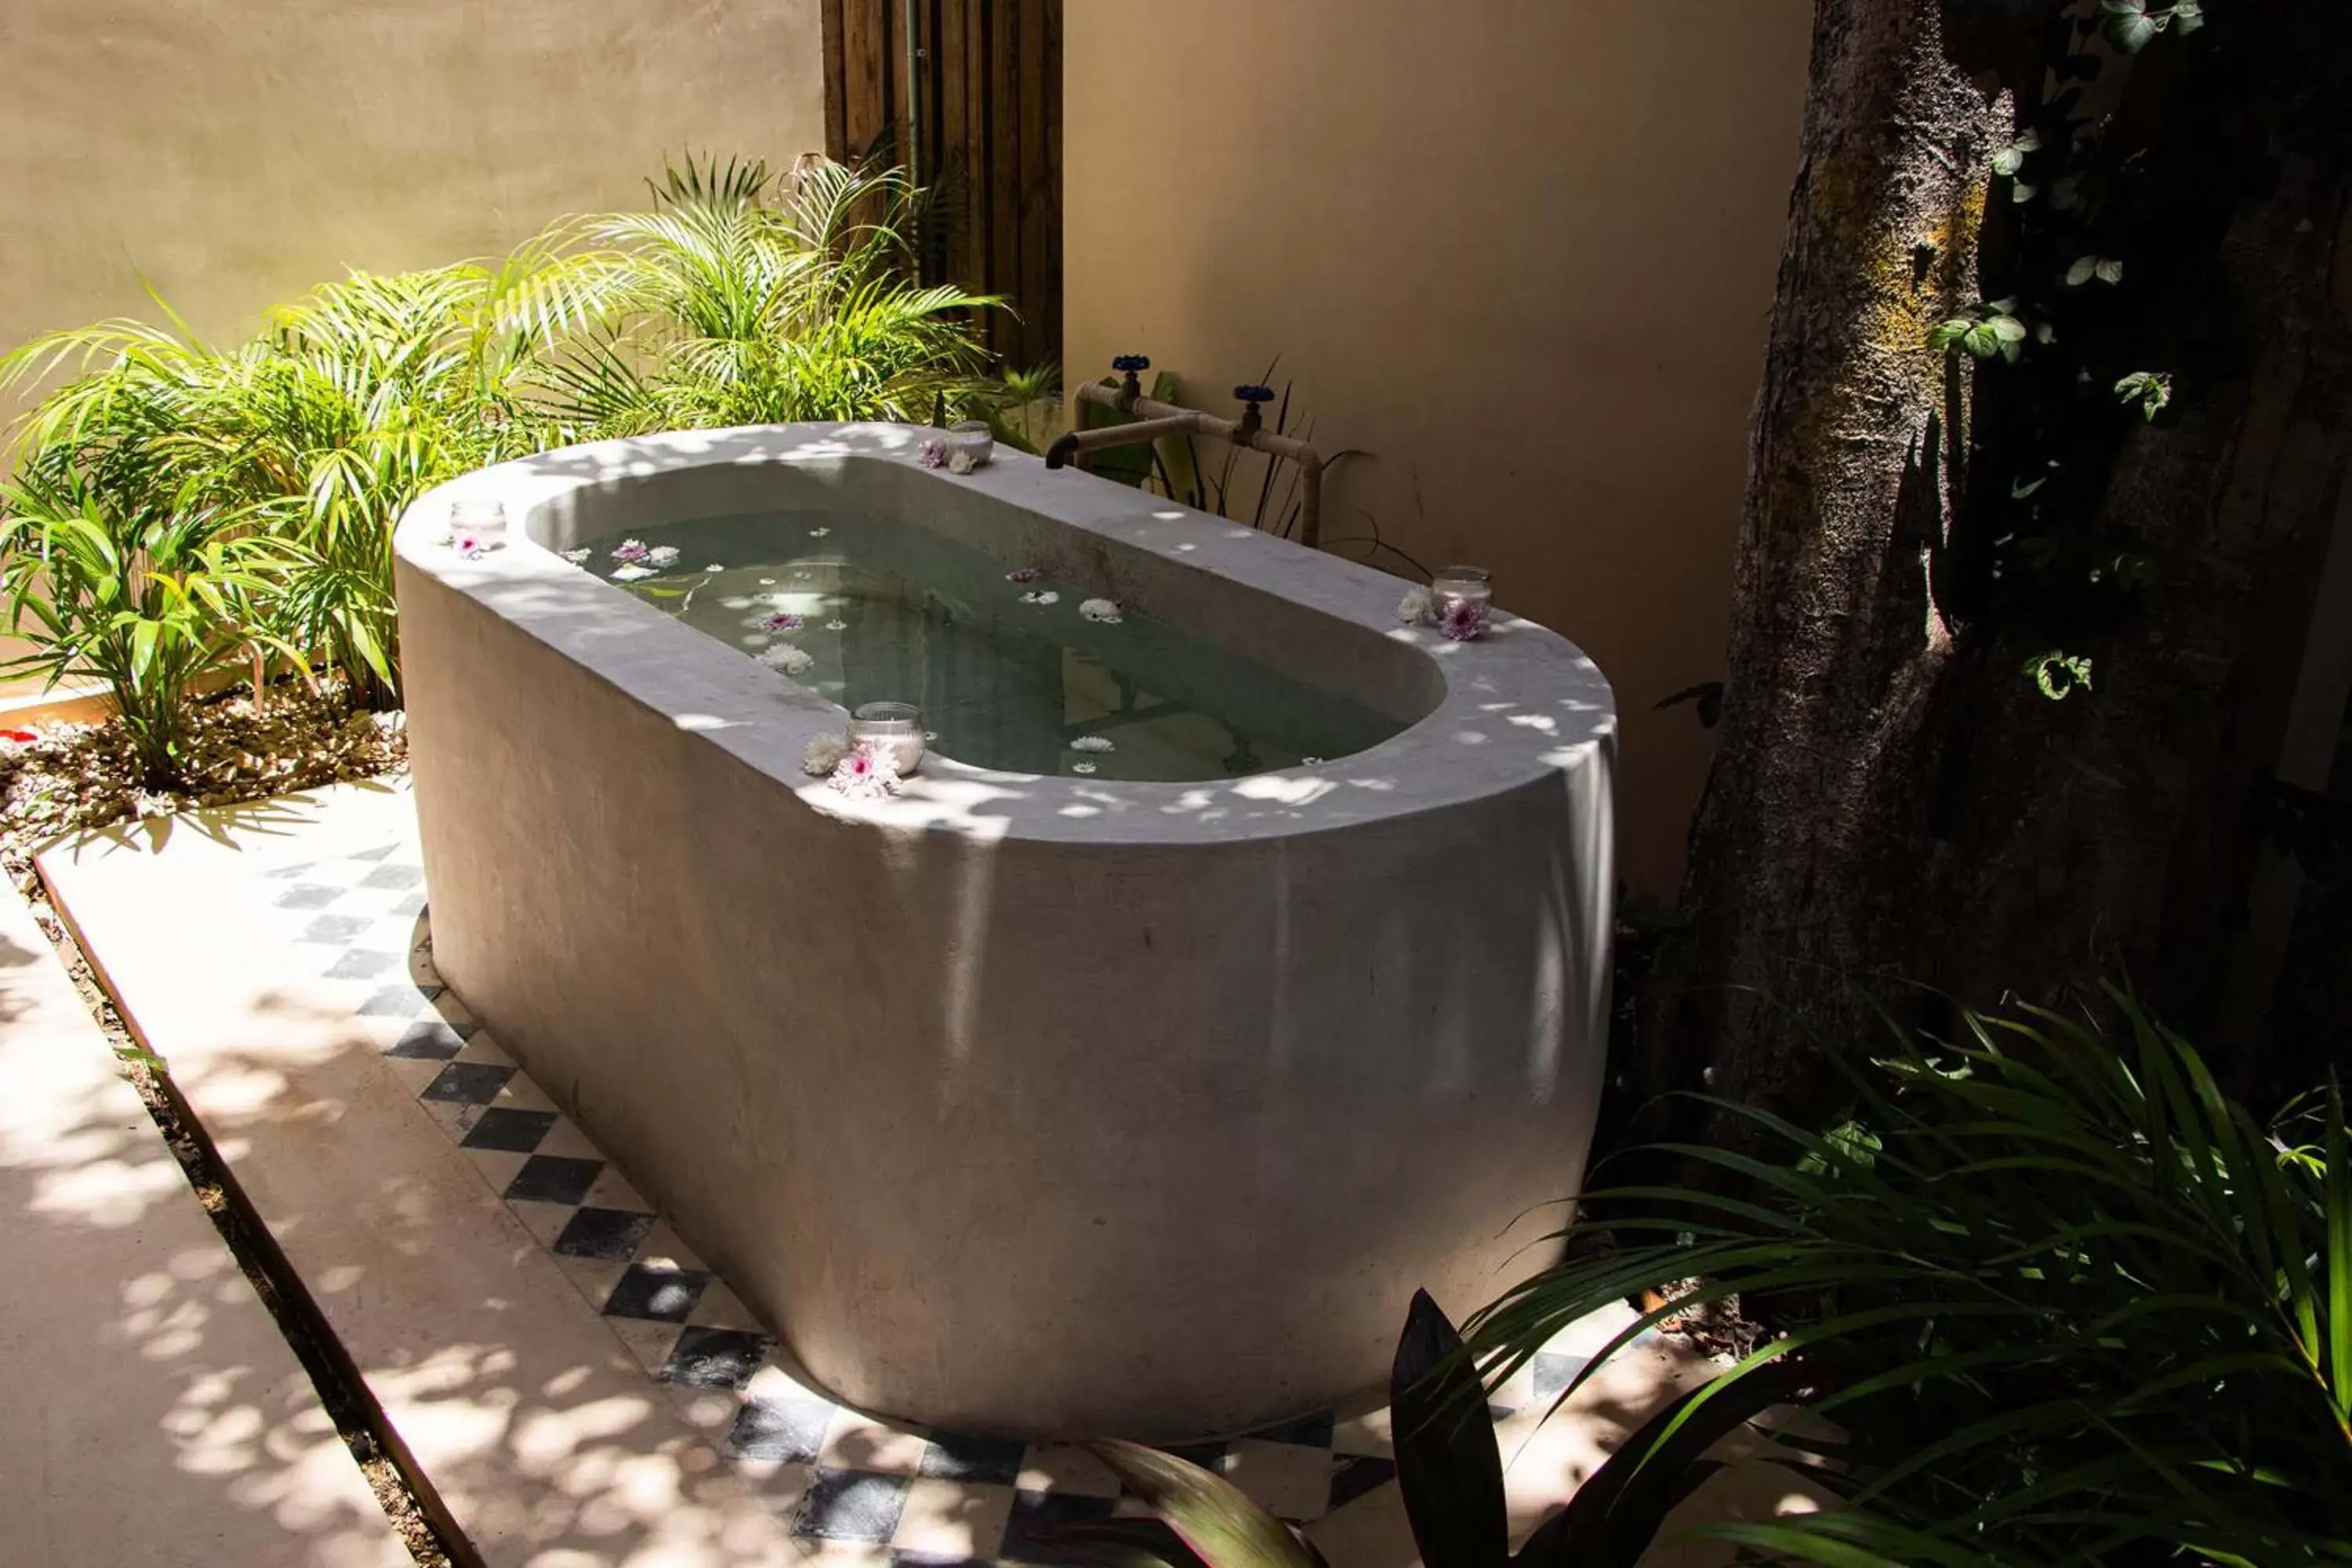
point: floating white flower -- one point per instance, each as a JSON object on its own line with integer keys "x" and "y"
{"x": 1041, "y": 597}
{"x": 867, "y": 772}
{"x": 836, "y": 625}
{"x": 823, "y": 754}
{"x": 819, "y": 532}
{"x": 714, "y": 566}
{"x": 789, "y": 657}
{"x": 630, "y": 574}
{"x": 1094, "y": 743}
{"x": 1413, "y": 608}
{"x": 1310, "y": 762}
{"x": 1106, "y": 611}
{"x": 662, "y": 556}
{"x": 962, "y": 463}
{"x": 1082, "y": 767}
{"x": 578, "y": 557}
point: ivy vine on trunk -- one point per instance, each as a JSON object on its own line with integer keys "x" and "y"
{"x": 2055, "y": 421}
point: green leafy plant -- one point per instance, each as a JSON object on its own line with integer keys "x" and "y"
{"x": 321, "y": 430}
{"x": 736, "y": 298}
{"x": 2065, "y": 1301}
{"x": 743, "y": 298}
{"x": 139, "y": 593}
{"x": 1449, "y": 1472}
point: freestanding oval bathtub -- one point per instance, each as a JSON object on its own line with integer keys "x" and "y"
{"x": 1027, "y": 1100}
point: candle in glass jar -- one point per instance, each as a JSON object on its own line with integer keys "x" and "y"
{"x": 1459, "y": 596}
{"x": 897, "y": 725}
{"x": 481, "y": 520}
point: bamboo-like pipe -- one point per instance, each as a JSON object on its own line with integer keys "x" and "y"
{"x": 1074, "y": 442}
{"x": 1157, "y": 419}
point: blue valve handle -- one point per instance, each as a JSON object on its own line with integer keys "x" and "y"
{"x": 1131, "y": 362}
{"x": 1255, "y": 394}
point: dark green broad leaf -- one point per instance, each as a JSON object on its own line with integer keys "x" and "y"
{"x": 1616, "y": 1514}
{"x": 1121, "y": 1544}
{"x": 1212, "y": 1516}
{"x": 1447, "y": 1465}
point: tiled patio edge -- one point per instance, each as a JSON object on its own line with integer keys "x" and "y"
{"x": 129, "y": 1344}
{"x": 512, "y": 1401}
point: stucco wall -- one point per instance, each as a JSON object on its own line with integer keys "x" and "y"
{"x": 1521, "y": 251}
{"x": 236, "y": 153}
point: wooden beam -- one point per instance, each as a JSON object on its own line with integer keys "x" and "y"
{"x": 836, "y": 102}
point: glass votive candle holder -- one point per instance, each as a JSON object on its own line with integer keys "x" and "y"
{"x": 897, "y": 725}
{"x": 973, "y": 440}
{"x": 479, "y": 517}
{"x": 1459, "y": 598}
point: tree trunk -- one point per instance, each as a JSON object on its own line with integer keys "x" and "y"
{"x": 1894, "y": 804}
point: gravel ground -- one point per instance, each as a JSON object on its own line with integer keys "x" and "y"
{"x": 70, "y": 776}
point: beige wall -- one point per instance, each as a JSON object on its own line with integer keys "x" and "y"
{"x": 1520, "y": 250}
{"x": 238, "y": 151}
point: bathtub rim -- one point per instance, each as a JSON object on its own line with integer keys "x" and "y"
{"x": 1519, "y": 707}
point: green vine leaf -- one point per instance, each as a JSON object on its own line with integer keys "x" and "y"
{"x": 2105, "y": 268}
{"x": 2058, "y": 674}
{"x": 2152, "y": 390}
{"x": 2188, "y": 15}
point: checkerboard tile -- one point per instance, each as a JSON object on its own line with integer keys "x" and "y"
{"x": 842, "y": 1478}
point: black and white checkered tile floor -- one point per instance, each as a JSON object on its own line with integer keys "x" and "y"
{"x": 836, "y": 1475}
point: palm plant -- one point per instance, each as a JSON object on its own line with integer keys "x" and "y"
{"x": 737, "y": 298}
{"x": 741, "y": 298}
{"x": 2065, "y": 1301}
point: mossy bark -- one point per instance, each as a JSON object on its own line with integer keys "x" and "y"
{"x": 1894, "y": 806}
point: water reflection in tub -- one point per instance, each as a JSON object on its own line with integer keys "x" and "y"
{"x": 1007, "y": 671}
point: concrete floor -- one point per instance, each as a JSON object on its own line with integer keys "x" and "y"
{"x": 150, "y": 1412}
{"x": 558, "y": 1425}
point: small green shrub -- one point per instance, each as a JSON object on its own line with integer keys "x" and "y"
{"x": 145, "y": 595}
{"x": 2065, "y": 1301}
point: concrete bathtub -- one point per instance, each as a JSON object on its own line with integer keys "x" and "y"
{"x": 1039, "y": 1104}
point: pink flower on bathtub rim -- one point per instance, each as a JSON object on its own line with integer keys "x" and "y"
{"x": 933, "y": 454}
{"x": 869, "y": 770}
{"x": 470, "y": 546}
{"x": 1463, "y": 620}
